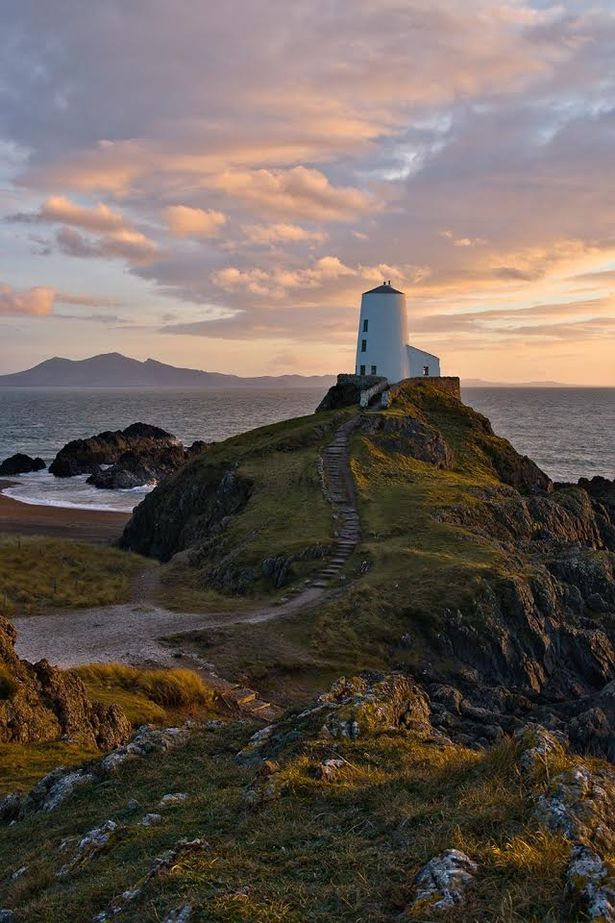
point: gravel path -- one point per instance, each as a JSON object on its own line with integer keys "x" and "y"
{"x": 128, "y": 633}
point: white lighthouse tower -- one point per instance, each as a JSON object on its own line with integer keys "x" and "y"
{"x": 382, "y": 347}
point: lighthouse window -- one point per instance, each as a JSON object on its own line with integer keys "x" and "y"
{"x": 363, "y": 346}
{"x": 373, "y": 369}
{"x": 362, "y": 370}
{"x": 365, "y": 323}
{"x": 425, "y": 370}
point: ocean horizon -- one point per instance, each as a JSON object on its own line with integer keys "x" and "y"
{"x": 566, "y": 431}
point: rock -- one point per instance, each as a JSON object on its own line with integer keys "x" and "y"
{"x": 590, "y": 886}
{"x": 19, "y": 873}
{"x": 46, "y": 704}
{"x": 408, "y": 435}
{"x": 329, "y": 769}
{"x": 85, "y": 456}
{"x": 537, "y": 744}
{"x": 136, "y": 468}
{"x": 180, "y": 914}
{"x": 150, "y": 819}
{"x": 21, "y": 464}
{"x": 90, "y": 845}
{"x": 594, "y": 732}
{"x": 7, "y": 916}
{"x": 374, "y": 703}
{"x": 182, "y": 849}
{"x": 173, "y": 799}
{"x": 580, "y": 804}
{"x": 441, "y": 883}
{"x": 146, "y": 740}
{"x": 54, "y": 789}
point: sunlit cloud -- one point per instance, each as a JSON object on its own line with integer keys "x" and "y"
{"x": 184, "y": 221}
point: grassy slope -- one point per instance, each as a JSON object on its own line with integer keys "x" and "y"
{"x": 418, "y": 565}
{"x": 285, "y": 515}
{"x": 158, "y": 697}
{"x": 41, "y": 572}
{"x": 343, "y": 851}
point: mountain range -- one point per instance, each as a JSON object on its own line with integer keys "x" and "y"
{"x": 113, "y": 370}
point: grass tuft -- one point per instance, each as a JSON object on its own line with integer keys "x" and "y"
{"x": 166, "y": 688}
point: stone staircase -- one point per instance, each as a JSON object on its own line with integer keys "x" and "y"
{"x": 339, "y": 489}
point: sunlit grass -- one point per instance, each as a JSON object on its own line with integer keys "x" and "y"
{"x": 38, "y": 573}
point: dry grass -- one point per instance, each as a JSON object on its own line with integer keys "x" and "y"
{"x": 166, "y": 688}
{"x": 38, "y": 573}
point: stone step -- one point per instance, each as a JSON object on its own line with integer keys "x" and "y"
{"x": 240, "y": 696}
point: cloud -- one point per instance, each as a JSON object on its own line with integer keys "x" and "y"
{"x": 270, "y": 234}
{"x": 61, "y": 210}
{"x": 40, "y": 301}
{"x": 126, "y": 244}
{"x": 37, "y": 301}
{"x": 184, "y": 221}
{"x": 118, "y": 238}
{"x": 299, "y": 192}
{"x": 462, "y": 148}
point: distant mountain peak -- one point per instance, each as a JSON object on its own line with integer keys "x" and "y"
{"x": 114, "y": 370}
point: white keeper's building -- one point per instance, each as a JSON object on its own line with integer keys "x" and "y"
{"x": 382, "y": 347}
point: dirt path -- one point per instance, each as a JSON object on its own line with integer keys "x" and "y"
{"x": 132, "y": 632}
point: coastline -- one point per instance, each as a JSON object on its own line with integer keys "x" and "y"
{"x": 16, "y": 518}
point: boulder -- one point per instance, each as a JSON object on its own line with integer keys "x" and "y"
{"x": 41, "y": 703}
{"x": 21, "y": 464}
{"x": 580, "y": 804}
{"x": 85, "y": 456}
{"x": 590, "y": 887}
{"x": 442, "y": 882}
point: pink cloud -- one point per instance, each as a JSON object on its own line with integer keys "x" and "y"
{"x": 184, "y": 221}
{"x": 37, "y": 301}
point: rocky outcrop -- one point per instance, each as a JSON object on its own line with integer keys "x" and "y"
{"x": 442, "y": 882}
{"x": 590, "y": 886}
{"x": 40, "y": 703}
{"x": 362, "y": 706}
{"x": 580, "y": 804}
{"x": 85, "y": 456}
{"x": 57, "y": 786}
{"x": 21, "y": 464}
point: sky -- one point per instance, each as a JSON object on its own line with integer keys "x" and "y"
{"x": 214, "y": 185}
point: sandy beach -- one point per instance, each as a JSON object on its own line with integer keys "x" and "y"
{"x": 88, "y": 525}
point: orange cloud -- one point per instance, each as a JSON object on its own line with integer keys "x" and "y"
{"x": 299, "y": 192}
{"x": 184, "y": 221}
{"x": 37, "y": 301}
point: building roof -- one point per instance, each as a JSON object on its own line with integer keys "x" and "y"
{"x": 385, "y": 289}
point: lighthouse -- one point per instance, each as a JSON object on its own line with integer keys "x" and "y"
{"x": 382, "y": 347}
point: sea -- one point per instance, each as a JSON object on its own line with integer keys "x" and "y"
{"x": 568, "y": 432}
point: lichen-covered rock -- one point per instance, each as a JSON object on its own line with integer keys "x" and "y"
{"x": 590, "y": 886}
{"x": 54, "y": 788}
{"x": 442, "y": 882}
{"x": 146, "y": 740}
{"x": 329, "y": 769}
{"x": 180, "y": 914}
{"x": 580, "y": 804}
{"x": 173, "y": 799}
{"x": 42, "y": 703}
{"x": 536, "y": 745}
{"x": 372, "y": 704}
{"x": 182, "y": 850}
{"x": 150, "y": 819}
{"x": 267, "y": 786}
{"x": 91, "y": 844}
